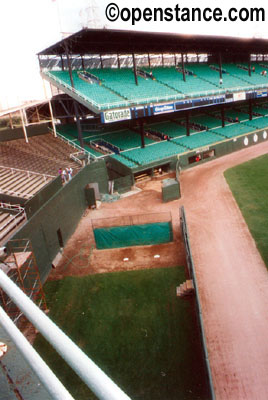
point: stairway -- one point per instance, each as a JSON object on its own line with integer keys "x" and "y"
{"x": 185, "y": 289}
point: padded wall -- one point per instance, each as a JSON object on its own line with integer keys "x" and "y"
{"x": 133, "y": 235}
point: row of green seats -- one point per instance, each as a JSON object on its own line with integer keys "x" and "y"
{"x": 174, "y": 79}
{"x": 206, "y": 120}
{"x": 233, "y": 130}
{"x": 123, "y": 160}
{"x": 122, "y": 82}
{"x": 126, "y": 139}
{"x": 258, "y": 123}
{"x": 198, "y": 140}
{"x": 213, "y": 76}
{"x": 255, "y": 79}
{"x": 168, "y": 128}
{"x": 154, "y": 152}
{"x": 94, "y": 92}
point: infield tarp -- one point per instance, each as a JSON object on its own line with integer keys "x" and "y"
{"x": 133, "y": 235}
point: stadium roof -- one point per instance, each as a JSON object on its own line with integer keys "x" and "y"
{"x": 109, "y": 41}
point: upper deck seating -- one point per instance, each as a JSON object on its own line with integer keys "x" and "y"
{"x": 122, "y": 82}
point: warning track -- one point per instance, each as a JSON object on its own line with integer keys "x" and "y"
{"x": 232, "y": 280}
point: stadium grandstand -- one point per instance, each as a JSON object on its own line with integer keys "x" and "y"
{"x": 126, "y": 106}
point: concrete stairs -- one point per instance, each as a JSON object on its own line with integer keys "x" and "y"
{"x": 185, "y": 289}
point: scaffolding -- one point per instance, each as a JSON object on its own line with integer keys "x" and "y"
{"x": 20, "y": 266}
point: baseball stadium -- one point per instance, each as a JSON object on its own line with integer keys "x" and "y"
{"x": 133, "y": 221}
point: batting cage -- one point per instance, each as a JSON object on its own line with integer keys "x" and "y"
{"x": 133, "y": 230}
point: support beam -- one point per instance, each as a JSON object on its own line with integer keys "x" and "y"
{"x": 23, "y": 127}
{"x": 175, "y": 60}
{"x": 37, "y": 113}
{"x": 187, "y": 123}
{"x": 62, "y": 63}
{"x": 249, "y": 65}
{"x": 135, "y": 68}
{"x": 220, "y": 65}
{"x": 250, "y": 109}
{"x": 83, "y": 64}
{"x": 183, "y": 69}
{"x": 69, "y": 65}
{"x": 118, "y": 61}
{"x": 101, "y": 61}
{"x": 78, "y": 125}
{"x": 52, "y": 119}
{"x": 149, "y": 61}
{"x": 222, "y": 116}
{"x": 163, "y": 64}
{"x": 142, "y": 133}
{"x": 11, "y": 121}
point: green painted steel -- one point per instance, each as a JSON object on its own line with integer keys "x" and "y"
{"x": 170, "y": 190}
{"x": 133, "y": 235}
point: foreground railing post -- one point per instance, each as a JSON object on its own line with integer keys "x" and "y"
{"x": 51, "y": 383}
{"x": 103, "y": 387}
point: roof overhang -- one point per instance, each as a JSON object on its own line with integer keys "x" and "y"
{"x": 109, "y": 41}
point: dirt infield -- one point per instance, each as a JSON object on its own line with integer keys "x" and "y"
{"x": 232, "y": 278}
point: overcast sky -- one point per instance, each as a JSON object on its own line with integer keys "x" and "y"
{"x": 29, "y": 26}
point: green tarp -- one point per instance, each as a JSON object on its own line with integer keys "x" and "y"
{"x": 133, "y": 235}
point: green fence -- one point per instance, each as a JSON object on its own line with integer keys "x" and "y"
{"x": 191, "y": 271}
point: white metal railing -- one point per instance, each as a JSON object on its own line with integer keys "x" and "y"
{"x": 156, "y": 99}
{"x": 14, "y": 207}
{"x": 16, "y": 194}
{"x": 10, "y": 221}
{"x": 28, "y": 173}
{"x": 100, "y": 384}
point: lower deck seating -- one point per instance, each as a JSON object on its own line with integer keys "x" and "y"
{"x": 198, "y": 140}
{"x": 258, "y": 123}
{"x": 44, "y": 154}
{"x": 9, "y": 222}
{"x": 233, "y": 130}
{"x": 206, "y": 120}
{"x": 21, "y": 183}
{"x": 153, "y": 152}
{"x": 171, "y": 129}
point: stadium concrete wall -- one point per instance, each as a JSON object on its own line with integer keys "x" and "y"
{"x": 63, "y": 212}
{"x": 17, "y": 133}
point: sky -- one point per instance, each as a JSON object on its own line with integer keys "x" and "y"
{"x": 29, "y": 26}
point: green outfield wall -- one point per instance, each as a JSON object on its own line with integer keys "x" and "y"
{"x": 59, "y": 215}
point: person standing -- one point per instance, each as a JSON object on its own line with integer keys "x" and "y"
{"x": 69, "y": 173}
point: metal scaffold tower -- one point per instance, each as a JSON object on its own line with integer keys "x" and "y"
{"x": 20, "y": 266}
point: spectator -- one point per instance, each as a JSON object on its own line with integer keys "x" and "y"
{"x": 220, "y": 81}
{"x": 69, "y": 173}
{"x": 64, "y": 176}
{"x": 253, "y": 68}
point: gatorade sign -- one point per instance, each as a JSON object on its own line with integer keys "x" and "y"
{"x": 116, "y": 115}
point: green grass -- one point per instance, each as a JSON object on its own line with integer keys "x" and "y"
{"x": 249, "y": 184}
{"x": 133, "y": 327}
